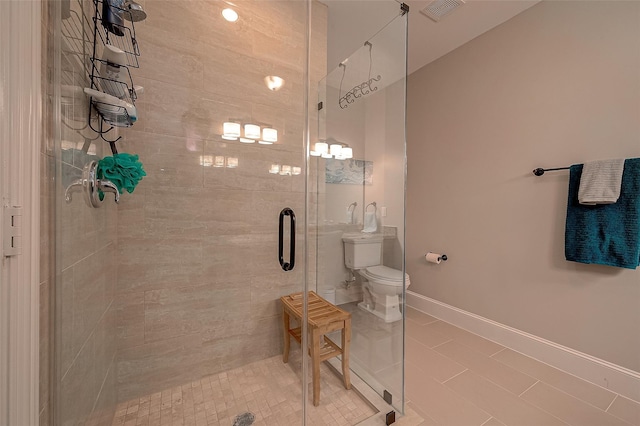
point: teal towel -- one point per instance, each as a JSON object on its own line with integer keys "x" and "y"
{"x": 606, "y": 234}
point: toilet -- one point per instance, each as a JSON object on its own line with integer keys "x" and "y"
{"x": 383, "y": 286}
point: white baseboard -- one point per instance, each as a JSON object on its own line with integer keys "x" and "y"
{"x": 600, "y": 372}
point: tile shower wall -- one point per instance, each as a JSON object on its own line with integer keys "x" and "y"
{"x": 81, "y": 276}
{"x": 198, "y": 276}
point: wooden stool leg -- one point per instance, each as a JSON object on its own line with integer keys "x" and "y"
{"x": 287, "y": 336}
{"x": 346, "y": 342}
{"x": 315, "y": 362}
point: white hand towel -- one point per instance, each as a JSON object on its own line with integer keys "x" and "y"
{"x": 349, "y": 216}
{"x": 370, "y": 223}
{"x": 600, "y": 182}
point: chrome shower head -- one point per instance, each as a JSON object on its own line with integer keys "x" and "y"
{"x": 136, "y": 12}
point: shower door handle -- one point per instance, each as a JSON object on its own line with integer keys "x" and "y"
{"x": 287, "y": 266}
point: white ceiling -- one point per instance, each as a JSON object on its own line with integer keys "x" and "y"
{"x": 352, "y": 22}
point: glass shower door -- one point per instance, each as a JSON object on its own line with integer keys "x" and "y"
{"x": 167, "y": 304}
{"x": 359, "y": 161}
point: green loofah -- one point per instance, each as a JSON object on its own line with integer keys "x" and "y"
{"x": 123, "y": 169}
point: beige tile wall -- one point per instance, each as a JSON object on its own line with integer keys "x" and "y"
{"x": 198, "y": 275}
{"x": 78, "y": 245}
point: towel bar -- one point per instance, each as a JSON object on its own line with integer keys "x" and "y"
{"x": 540, "y": 171}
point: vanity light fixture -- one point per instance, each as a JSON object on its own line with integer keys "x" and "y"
{"x": 252, "y": 131}
{"x": 335, "y": 149}
{"x": 218, "y": 161}
{"x": 230, "y": 130}
{"x": 320, "y": 148}
{"x": 339, "y": 151}
{"x": 206, "y": 160}
{"x": 269, "y": 135}
{"x": 232, "y": 162}
{"x": 285, "y": 170}
{"x": 230, "y": 15}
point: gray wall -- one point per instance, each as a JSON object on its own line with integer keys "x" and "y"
{"x": 554, "y": 86}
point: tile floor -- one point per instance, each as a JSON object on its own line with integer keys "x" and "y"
{"x": 376, "y": 348}
{"x": 454, "y": 377}
{"x": 269, "y": 389}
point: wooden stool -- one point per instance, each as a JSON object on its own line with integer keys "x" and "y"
{"x": 323, "y": 318}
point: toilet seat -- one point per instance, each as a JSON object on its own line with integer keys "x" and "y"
{"x": 385, "y": 276}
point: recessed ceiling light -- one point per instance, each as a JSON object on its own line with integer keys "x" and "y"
{"x": 274, "y": 82}
{"x": 230, "y": 15}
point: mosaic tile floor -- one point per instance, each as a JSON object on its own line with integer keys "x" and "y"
{"x": 269, "y": 389}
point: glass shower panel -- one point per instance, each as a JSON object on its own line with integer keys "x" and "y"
{"x": 359, "y": 158}
{"x": 169, "y": 300}
{"x": 84, "y": 379}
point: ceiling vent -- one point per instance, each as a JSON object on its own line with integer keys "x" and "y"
{"x": 438, "y": 9}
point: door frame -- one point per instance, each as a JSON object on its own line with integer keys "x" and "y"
{"x": 20, "y": 142}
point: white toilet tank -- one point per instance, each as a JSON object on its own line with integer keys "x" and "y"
{"x": 362, "y": 250}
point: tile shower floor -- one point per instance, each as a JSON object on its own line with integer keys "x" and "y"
{"x": 269, "y": 389}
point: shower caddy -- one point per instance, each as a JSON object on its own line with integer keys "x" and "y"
{"x": 109, "y": 115}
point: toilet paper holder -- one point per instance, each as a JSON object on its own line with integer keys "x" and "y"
{"x": 442, "y": 256}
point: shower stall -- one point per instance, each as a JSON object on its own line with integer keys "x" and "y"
{"x": 165, "y": 307}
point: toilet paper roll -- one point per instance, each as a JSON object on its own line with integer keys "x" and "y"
{"x": 433, "y": 257}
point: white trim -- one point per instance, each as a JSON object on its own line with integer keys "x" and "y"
{"x": 613, "y": 377}
{"x": 20, "y": 130}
